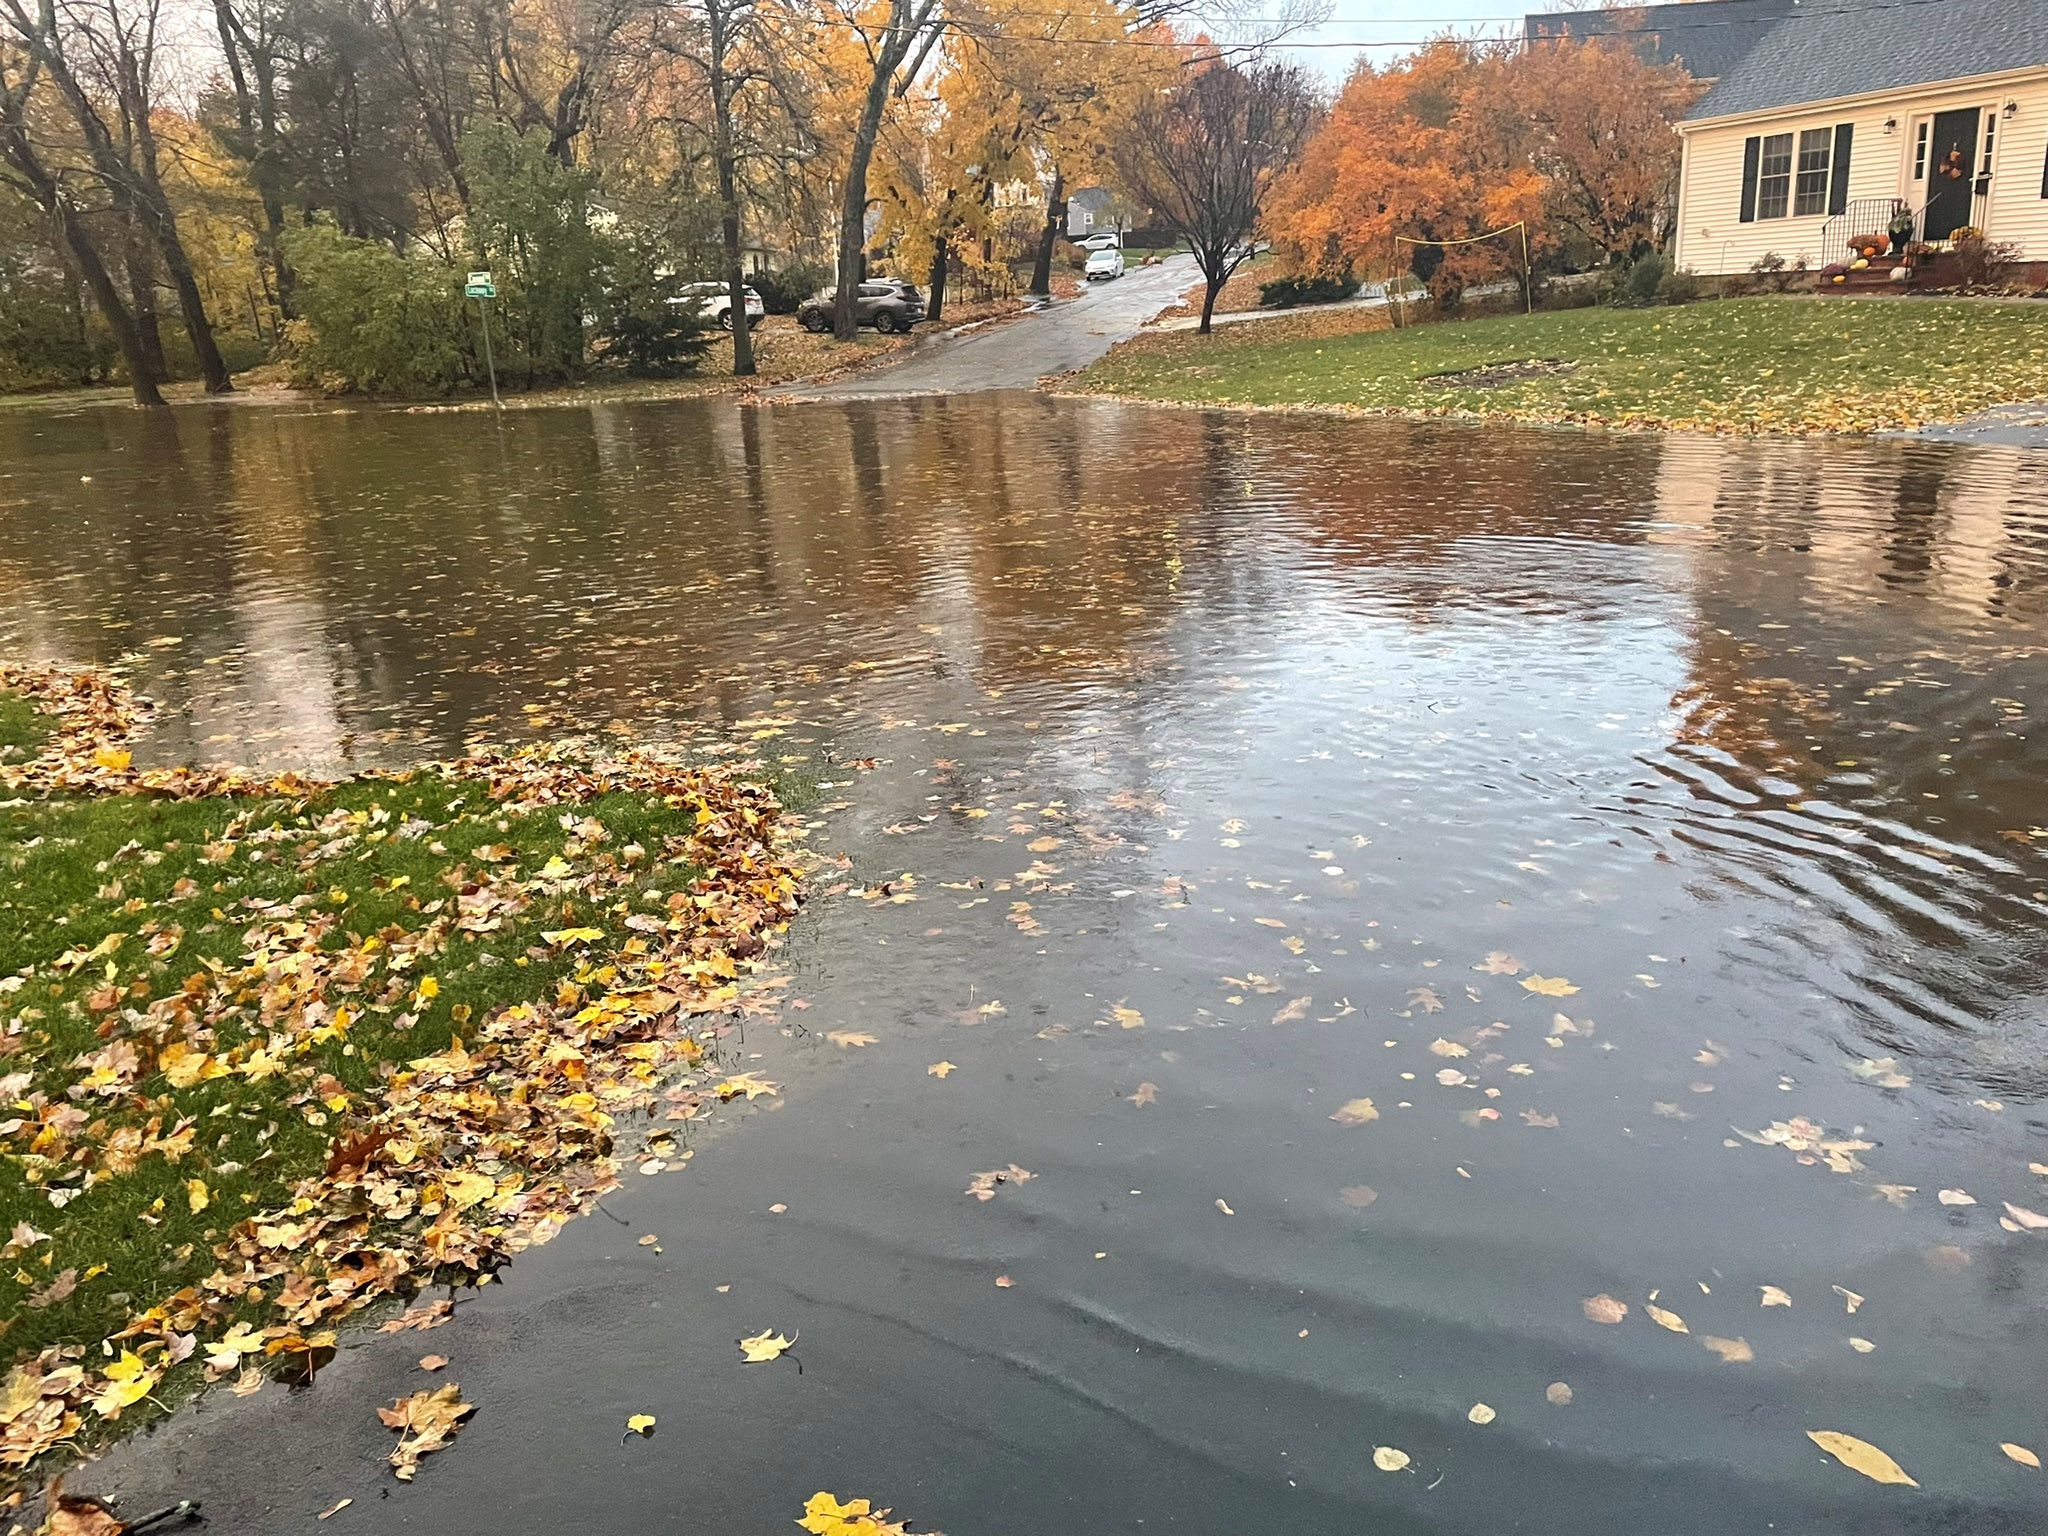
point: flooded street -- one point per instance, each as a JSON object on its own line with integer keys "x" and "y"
{"x": 1406, "y": 895}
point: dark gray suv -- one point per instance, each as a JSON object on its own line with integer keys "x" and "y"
{"x": 883, "y": 302}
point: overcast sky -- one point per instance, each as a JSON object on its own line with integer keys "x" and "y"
{"x": 1394, "y": 27}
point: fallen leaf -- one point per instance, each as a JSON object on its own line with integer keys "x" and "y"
{"x": 1224, "y": 1207}
{"x": 1548, "y": 986}
{"x": 1558, "y": 1393}
{"x": 1448, "y": 1048}
{"x": 1481, "y": 1413}
{"x": 432, "y": 1362}
{"x": 1146, "y": 1093}
{"x": 2020, "y": 1454}
{"x": 640, "y": 1423}
{"x": 1604, "y": 1309}
{"x": 940, "y": 1069}
{"x": 1849, "y": 1298}
{"x": 1733, "y": 1351}
{"x": 1861, "y": 1346}
{"x": 1388, "y": 1459}
{"x": 763, "y": 1347}
{"x": 1499, "y": 964}
{"x": 197, "y": 1196}
{"x": 1129, "y": 1018}
{"x": 1298, "y": 1009}
{"x": 1774, "y": 1297}
{"x": 1954, "y": 1197}
{"x": 1860, "y": 1456}
{"x": 824, "y": 1515}
{"x": 1357, "y": 1112}
{"x": 426, "y": 1422}
{"x": 1358, "y": 1196}
{"x": 985, "y": 1184}
{"x": 846, "y": 1038}
{"x": 1666, "y": 1319}
{"x": 1004, "y": 1282}
{"x": 2032, "y": 1221}
{"x": 335, "y": 1508}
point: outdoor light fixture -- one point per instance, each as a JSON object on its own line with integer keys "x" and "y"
{"x": 1891, "y": 125}
{"x": 2012, "y": 109}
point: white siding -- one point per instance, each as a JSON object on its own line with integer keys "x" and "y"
{"x": 1712, "y": 238}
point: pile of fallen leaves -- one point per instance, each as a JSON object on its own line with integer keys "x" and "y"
{"x": 457, "y": 1160}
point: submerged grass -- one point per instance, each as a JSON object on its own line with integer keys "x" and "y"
{"x": 1791, "y": 365}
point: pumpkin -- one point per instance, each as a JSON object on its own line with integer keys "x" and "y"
{"x": 1859, "y": 264}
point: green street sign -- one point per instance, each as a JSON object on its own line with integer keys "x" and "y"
{"x": 480, "y": 286}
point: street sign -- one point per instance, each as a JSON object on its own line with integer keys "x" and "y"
{"x": 482, "y": 288}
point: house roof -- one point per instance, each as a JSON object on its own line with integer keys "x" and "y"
{"x": 1707, "y": 36}
{"x": 1828, "y": 49}
{"x": 1093, "y": 199}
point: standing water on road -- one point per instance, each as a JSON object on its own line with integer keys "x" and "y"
{"x": 1514, "y": 962}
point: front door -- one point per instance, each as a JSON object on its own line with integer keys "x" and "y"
{"x": 1952, "y": 172}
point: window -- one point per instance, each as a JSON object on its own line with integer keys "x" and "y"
{"x": 1920, "y": 138}
{"x": 1774, "y": 177}
{"x": 1990, "y": 134}
{"x": 1816, "y": 150}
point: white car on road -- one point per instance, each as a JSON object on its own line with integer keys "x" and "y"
{"x": 1107, "y": 262}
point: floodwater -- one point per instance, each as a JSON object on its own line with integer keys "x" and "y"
{"x": 1652, "y": 829}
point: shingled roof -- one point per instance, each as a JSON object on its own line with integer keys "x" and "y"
{"x": 1707, "y": 36}
{"x": 1828, "y": 49}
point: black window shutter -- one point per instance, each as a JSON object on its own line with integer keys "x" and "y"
{"x": 2044, "y": 178}
{"x": 1752, "y": 157}
{"x": 1838, "y": 189}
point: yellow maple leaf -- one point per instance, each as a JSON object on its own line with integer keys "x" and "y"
{"x": 640, "y": 1423}
{"x": 128, "y": 1382}
{"x": 825, "y": 1515}
{"x": 197, "y": 1196}
{"x": 1357, "y": 1112}
{"x": 1549, "y": 986}
{"x": 763, "y": 1347}
{"x": 225, "y": 1353}
{"x": 559, "y": 936}
{"x": 748, "y": 1084}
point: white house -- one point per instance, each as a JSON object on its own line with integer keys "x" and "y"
{"x": 1845, "y": 108}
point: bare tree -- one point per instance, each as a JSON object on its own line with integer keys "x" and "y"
{"x": 894, "y": 59}
{"x": 1205, "y": 154}
{"x": 23, "y": 167}
{"x": 111, "y": 107}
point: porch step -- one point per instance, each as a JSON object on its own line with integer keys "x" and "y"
{"x": 1940, "y": 271}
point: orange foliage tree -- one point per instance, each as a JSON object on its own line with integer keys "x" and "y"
{"x": 1463, "y": 137}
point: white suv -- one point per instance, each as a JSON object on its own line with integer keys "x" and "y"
{"x": 713, "y": 301}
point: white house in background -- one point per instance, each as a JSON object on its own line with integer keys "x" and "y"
{"x": 1092, "y": 210}
{"x": 1844, "y": 107}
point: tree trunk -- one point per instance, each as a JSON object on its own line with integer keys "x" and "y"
{"x": 728, "y": 194}
{"x": 1211, "y": 286}
{"x": 1055, "y": 218}
{"x": 853, "y": 208}
{"x": 156, "y": 207}
{"x": 142, "y": 294}
{"x": 935, "y": 289}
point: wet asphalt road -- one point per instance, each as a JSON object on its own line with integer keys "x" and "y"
{"x": 1230, "y": 757}
{"x": 1071, "y": 333}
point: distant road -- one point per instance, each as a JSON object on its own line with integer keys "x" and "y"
{"x": 1070, "y": 333}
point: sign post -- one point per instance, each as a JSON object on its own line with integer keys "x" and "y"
{"x": 483, "y": 290}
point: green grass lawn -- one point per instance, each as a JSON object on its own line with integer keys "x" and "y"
{"x": 1738, "y": 365}
{"x": 206, "y": 1002}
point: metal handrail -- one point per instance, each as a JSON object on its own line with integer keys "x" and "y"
{"x": 1866, "y": 215}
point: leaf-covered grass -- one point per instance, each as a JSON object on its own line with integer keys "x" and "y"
{"x": 1796, "y": 365}
{"x": 83, "y": 875}
{"x": 273, "y": 1050}
{"x": 22, "y": 730}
